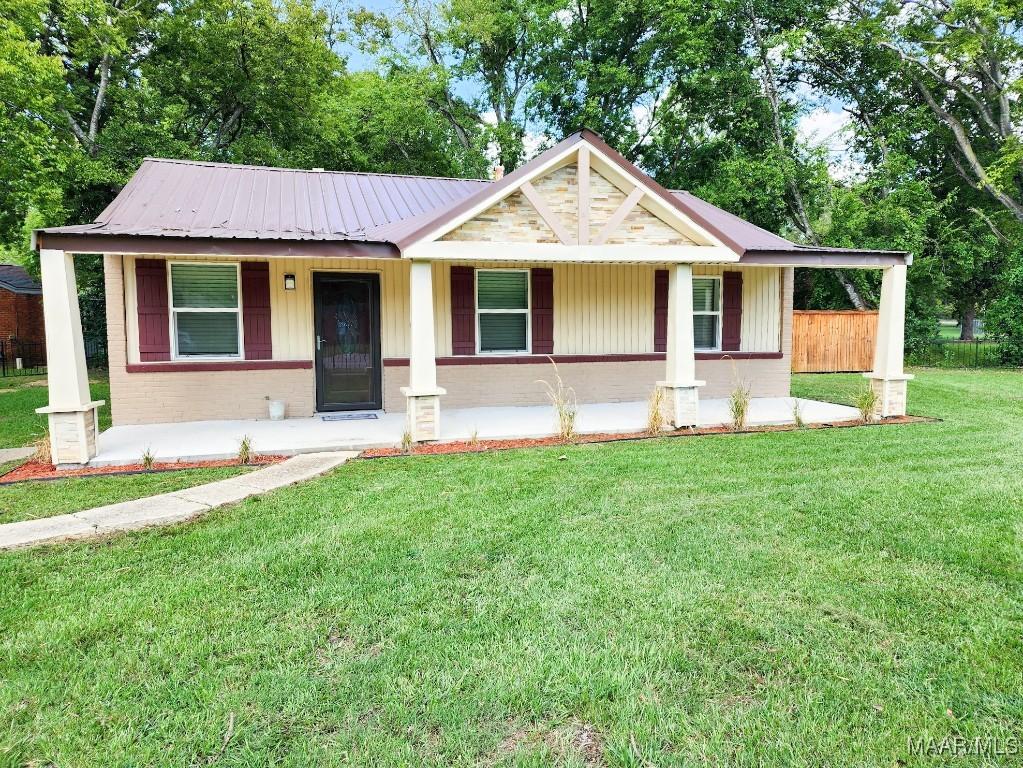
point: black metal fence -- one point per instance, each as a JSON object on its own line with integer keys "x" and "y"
{"x": 952, "y": 353}
{"x": 28, "y": 358}
{"x": 22, "y": 358}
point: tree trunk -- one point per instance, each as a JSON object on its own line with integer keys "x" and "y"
{"x": 797, "y": 207}
{"x": 851, "y": 291}
{"x": 966, "y": 319}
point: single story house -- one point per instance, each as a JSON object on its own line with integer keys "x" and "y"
{"x": 227, "y": 285}
{"x": 21, "y": 306}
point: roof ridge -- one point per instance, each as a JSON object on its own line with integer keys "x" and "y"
{"x": 214, "y": 164}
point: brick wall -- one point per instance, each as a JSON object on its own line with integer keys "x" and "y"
{"x": 21, "y": 316}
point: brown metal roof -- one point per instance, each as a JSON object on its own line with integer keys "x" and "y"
{"x": 180, "y": 198}
{"x": 217, "y": 203}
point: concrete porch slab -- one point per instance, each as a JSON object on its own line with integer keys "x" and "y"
{"x": 209, "y": 440}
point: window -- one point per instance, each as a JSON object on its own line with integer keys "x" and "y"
{"x": 502, "y": 310}
{"x": 204, "y": 307}
{"x": 707, "y": 312}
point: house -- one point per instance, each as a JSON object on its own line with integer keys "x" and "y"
{"x": 227, "y": 285}
{"x": 21, "y": 311}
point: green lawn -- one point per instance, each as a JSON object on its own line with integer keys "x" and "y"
{"x": 801, "y": 598}
{"x": 21, "y": 395}
{"x": 27, "y": 501}
{"x": 20, "y": 425}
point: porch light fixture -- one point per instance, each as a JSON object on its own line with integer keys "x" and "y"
{"x": 289, "y": 282}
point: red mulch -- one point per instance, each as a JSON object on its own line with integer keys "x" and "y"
{"x": 483, "y": 446}
{"x": 35, "y": 470}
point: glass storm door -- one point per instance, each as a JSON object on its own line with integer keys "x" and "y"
{"x": 347, "y": 317}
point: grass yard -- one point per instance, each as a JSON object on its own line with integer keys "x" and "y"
{"x": 21, "y": 395}
{"x": 31, "y": 500}
{"x": 783, "y": 599}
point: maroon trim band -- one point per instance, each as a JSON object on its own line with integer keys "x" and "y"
{"x": 739, "y": 355}
{"x": 395, "y": 362}
{"x": 221, "y": 365}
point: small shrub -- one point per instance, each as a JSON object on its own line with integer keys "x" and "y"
{"x": 797, "y": 414}
{"x": 42, "y": 452}
{"x": 655, "y": 412}
{"x": 738, "y": 406}
{"x": 148, "y": 460}
{"x": 407, "y": 443}
{"x": 245, "y": 450}
{"x": 866, "y": 400}
{"x": 565, "y": 405}
{"x": 474, "y": 439}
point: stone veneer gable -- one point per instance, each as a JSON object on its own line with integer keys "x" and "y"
{"x": 515, "y": 220}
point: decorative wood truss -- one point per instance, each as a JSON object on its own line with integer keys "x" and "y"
{"x": 513, "y": 216}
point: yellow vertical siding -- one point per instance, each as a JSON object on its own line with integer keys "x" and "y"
{"x": 761, "y": 305}
{"x": 598, "y": 308}
{"x": 292, "y": 311}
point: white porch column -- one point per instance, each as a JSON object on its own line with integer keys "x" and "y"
{"x": 888, "y": 379}
{"x": 73, "y": 417}
{"x": 680, "y": 385}
{"x": 422, "y": 394}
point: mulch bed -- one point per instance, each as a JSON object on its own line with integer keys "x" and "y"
{"x": 484, "y": 446}
{"x": 35, "y": 470}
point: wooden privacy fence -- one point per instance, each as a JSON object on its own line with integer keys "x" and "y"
{"x": 825, "y": 341}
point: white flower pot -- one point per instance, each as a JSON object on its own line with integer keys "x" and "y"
{"x": 276, "y": 410}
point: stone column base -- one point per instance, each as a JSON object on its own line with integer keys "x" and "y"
{"x": 891, "y": 394}
{"x": 681, "y": 403}
{"x": 423, "y": 413}
{"x": 74, "y": 432}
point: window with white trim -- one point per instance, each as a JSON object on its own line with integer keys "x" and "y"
{"x": 502, "y": 311}
{"x": 205, "y": 309}
{"x": 707, "y": 313}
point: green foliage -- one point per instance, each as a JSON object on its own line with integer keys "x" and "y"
{"x": 90, "y": 87}
{"x": 1004, "y": 320}
{"x": 387, "y": 124}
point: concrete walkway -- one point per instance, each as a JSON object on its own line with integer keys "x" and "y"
{"x": 15, "y": 454}
{"x": 174, "y": 507}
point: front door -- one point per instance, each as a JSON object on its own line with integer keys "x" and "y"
{"x": 347, "y": 325}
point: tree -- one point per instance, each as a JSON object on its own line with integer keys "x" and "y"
{"x": 29, "y": 81}
{"x": 240, "y": 80}
{"x": 390, "y": 124}
{"x": 488, "y": 46}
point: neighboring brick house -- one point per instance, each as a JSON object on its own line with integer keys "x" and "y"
{"x": 21, "y": 306}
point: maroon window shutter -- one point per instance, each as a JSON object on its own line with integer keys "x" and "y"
{"x": 731, "y": 311}
{"x": 256, "y": 310}
{"x": 463, "y": 311}
{"x": 661, "y": 310}
{"x": 153, "y": 310}
{"x": 542, "y": 310}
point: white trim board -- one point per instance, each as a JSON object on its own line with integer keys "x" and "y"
{"x": 553, "y": 253}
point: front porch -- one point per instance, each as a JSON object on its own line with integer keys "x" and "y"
{"x": 208, "y": 440}
{"x": 447, "y": 317}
